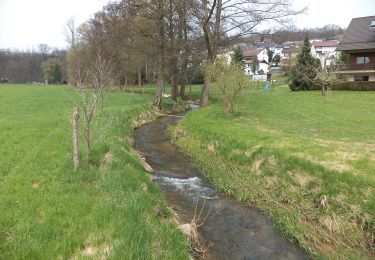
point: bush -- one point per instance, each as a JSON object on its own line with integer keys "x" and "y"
{"x": 351, "y": 85}
{"x": 198, "y": 78}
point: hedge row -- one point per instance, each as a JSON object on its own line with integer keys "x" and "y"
{"x": 351, "y": 85}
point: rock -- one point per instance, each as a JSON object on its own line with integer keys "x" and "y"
{"x": 187, "y": 229}
{"x": 147, "y": 167}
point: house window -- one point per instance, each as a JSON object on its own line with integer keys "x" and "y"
{"x": 361, "y": 78}
{"x": 363, "y": 60}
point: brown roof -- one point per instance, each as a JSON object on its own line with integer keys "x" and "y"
{"x": 325, "y": 44}
{"x": 252, "y": 52}
{"x": 291, "y": 50}
{"x": 358, "y": 36}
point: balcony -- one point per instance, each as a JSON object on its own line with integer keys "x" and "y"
{"x": 356, "y": 69}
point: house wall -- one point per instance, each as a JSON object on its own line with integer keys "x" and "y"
{"x": 371, "y": 76}
{"x": 353, "y": 57}
{"x": 263, "y": 55}
{"x": 324, "y": 54}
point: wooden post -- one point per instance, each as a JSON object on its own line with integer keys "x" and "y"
{"x": 75, "y": 138}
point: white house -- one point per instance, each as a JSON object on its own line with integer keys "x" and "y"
{"x": 325, "y": 51}
{"x": 261, "y": 54}
{"x": 278, "y": 50}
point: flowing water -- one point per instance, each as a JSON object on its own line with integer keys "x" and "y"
{"x": 231, "y": 229}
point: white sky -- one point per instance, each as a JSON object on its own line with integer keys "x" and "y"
{"x": 26, "y": 23}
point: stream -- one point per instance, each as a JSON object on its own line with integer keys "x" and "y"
{"x": 233, "y": 230}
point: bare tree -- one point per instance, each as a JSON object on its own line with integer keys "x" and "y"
{"x": 70, "y": 32}
{"x": 227, "y": 20}
{"x": 92, "y": 83}
{"x": 75, "y": 124}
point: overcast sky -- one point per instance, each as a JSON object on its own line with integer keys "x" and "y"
{"x": 26, "y": 23}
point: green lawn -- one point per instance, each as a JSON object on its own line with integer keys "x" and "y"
{"x": 49, "y": 212}
{"x": 191, "y": 91}
{"x": 308, "y": 161}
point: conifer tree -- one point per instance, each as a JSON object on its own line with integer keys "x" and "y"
{"x": 254, "y": 65}
{"x": 238, "y": 57}
{"x": 303, "y": 73}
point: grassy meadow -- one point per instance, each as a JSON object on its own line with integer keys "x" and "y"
{"x": 49, "y": 212}
{"x": 308, "y": 161}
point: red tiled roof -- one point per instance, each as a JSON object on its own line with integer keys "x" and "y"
{"x": 326, "y": 44}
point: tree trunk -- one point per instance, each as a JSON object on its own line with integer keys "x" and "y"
{"x": 139, "y": 76}
{"x": 75, "y": 138}
{"x": 174, "y": 86}
{"x": 182, "y": 90}
{"x": 160, "y": 73}
{"x": 126, "y": 82}
{"x": 146, "y": 69}
{"x": 205, "y": 92}
{"x": 88, "y": 146}
{"x": 212, "y": 43}
{"x": 173, "y": 54}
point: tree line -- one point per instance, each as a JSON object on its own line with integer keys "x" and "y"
{"x": 33, "y": 65}
{"x": 167, "y": 41}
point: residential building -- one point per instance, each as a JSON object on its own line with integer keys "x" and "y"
{"x": 325, "y": 51}
{"x": 359, "y": 43}
{"x": 261, "y": 54}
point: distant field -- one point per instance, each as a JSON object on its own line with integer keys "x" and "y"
{"x": 49, "y": 212}
{"x": 307, "y": 160}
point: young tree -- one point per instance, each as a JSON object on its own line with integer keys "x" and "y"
{"x": 238, "y": 57}
{"x": 230, "y": 78}
{"x": 52, "y": 70}
{"x": 254, "y": 65}
{"x": 305, "y": 69}
{"x": 92, "y": 81}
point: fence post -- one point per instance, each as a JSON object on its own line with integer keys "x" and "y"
{"x": 75, "y": 122}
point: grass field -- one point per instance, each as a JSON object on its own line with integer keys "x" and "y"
{"x": 308, "y": 161}
{"x": 49, "y": 212}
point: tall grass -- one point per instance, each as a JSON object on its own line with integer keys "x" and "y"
{"x": 306, "y": 160}
{"x": 47, "y": 211}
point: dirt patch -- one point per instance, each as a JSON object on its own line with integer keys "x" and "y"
{"x": 93, "y": 252}
{"x": 271, "y": 182}
{"x": 35, "y": 185}
{"x": 106, "y": 161}
{"x": 255, "y": 168}
{"x": 304, "y": 179}
{"x": 213, "y": 146}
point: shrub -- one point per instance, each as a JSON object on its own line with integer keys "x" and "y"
{"x": 351, "y": 85}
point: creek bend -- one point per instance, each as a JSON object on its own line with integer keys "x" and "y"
{"x": 233, "y": 230}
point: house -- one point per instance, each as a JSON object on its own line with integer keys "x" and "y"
{"x": 289, "y": 57}
{"x": 261, "y": 54}
{"x": 290, "y": 52}
{"x": 278, "y": 50}
{"x": 359, "y": 43}
{"x": 325, "y": 51}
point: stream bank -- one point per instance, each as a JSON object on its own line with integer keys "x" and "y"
{"x": 230, "y": 229}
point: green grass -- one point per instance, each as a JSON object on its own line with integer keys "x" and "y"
{"x": 193, "y": 91}
{"x": 290, "y": 152}
{"x": 47, "y": 211}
